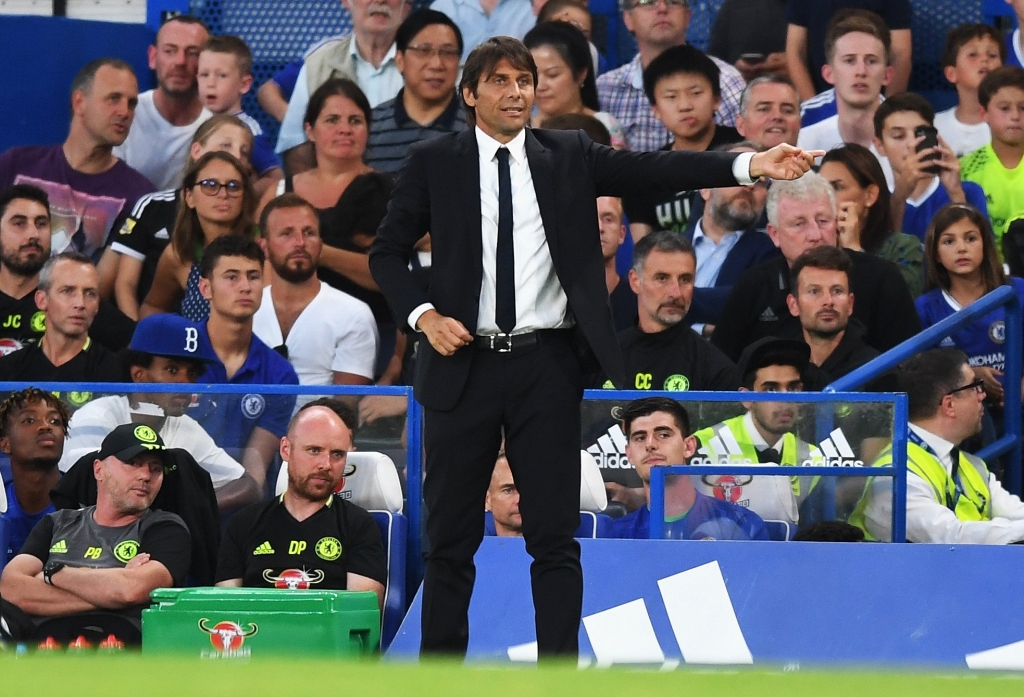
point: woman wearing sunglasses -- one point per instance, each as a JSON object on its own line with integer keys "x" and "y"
{"x": 219, "y": 200}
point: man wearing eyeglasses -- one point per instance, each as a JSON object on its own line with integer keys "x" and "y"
{"x": 429, "y": 45}
{"x": 657, "y": 25}
{"x": 951, "y": 496}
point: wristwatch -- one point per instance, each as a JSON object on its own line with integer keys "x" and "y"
{"x": 51, "y": 568}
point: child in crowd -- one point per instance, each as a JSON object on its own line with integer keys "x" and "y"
{"x": 970, "y": 53}
{"x": 919, "y": 191}
{"x": 225, "y": 76}
{"x": 963, "y": 265}
{"x": 858, "y": 52}
{"x": 683, "y": 86}
{"x": 996, "y": 166}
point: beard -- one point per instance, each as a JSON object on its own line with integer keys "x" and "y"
{"x": 732, "y": 217}
{"x": 24, "y": 267}
{"x": 294, "y": 275}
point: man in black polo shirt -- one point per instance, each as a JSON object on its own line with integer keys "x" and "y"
{"x": 801, "y": 216}
{"x": 307, "y": 538}
{"x": 663, "y": 352}
{"x": 24, "y": 248}
{"x": 428, "y": 45}
{"x": 69, "y": 297}
{"x": 94, "y": 567}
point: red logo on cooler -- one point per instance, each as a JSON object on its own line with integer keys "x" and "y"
{"x": 227, "y": 637}
{"x": 294, "y": 579}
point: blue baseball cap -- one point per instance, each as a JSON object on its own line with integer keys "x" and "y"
{"x": 172, "y": 336}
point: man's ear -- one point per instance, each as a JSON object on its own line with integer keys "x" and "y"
{"x": 826, "y": 72}
{"x": 634, "y": 282}
{"x": 285, "y": 449}
{"x": 204, "y": 288}
{"x": 690, "y": 446}
{"x": 794, "y": 309}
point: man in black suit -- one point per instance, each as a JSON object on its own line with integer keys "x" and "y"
{"x": 514, "y": 321}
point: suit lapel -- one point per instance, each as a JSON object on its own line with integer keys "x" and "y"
{"x": 542, "y": 171}
{"x": 467, "y": 179}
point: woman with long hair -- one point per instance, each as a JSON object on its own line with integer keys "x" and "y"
{"x": 864, "y": 220}
{"x": 219, "y": 200}
{"x": 565, "y": 77}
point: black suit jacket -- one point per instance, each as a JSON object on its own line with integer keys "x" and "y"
{"x": 438, "y": 191}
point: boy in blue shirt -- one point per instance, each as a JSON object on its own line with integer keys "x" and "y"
{"x": 33, "y": 426}
{"x": 925, "y": 180}
{"x": 249, "y": 426}
{"x": 658, "y": 434}
{"x": 225, "y": 76}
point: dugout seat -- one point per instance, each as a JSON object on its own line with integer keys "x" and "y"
{"x": 371, "y": 482}
{"x": 780, "y": 530}
{"x": 593, "y": 500}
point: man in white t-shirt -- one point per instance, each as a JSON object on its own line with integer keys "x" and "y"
{"x": 329, "y": 337}
{"x": 858, "y": 51}
{"x": 167, "y": 117}
{"x": 165, "y": 349}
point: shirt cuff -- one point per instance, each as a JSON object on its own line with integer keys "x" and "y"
{"x": 741, "y": 168}
{"x": 415, "y": 315}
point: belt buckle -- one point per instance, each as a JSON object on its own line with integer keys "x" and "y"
{"x": 502, "y": 343}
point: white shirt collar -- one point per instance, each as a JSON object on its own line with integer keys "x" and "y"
{"x": 698, "y": 232}
{"x": 488, "y": 146}
{"x": 941, "y": 446}
{"x": 636, "y": 75}
{"x": 932, "y": 188}
{"x": 756, "y": 439}
{"x": 353, "y": 50}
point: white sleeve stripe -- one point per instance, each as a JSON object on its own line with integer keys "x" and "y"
{"x": 144, "y": 201}
{"x": 127, "y": 251}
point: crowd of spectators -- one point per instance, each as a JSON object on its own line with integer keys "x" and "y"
{"x": 167, "y": 240}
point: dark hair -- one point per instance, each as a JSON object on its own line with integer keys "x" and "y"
{"x": 1005, "y": 76}
{"x": 645, "y": 406}
{"x": 824, "y": 257}
{"x": 849, "y": 21}
{"x": 553, "y": 6}
{"x": 344, "y": 411}
{"x": 681, "y": 59}
{"x": 236, "y": 46}
{"x": 46, "y": 272}
{"x": 905, "y": 101}
{"x": 579, "y": 122}
{"x": 337, "y": 87}
{"x": 83, "y": 80}
{"x": 829, "y": 531}
{"x": 664, "y": 241}
{"x": 211, "y": 126}
{"x": 991, "y": 267}
{"x": 418, "y": 21}
{"x": 22, "y": 398}
{"x": 572, "y": 46}
{"x": 181, "y": 19}
{"x": 229, "y": 246}
{"x": 482, "y": 61}
{"x": 188, "y": 237}
{"x": 864, "y": 167}
{"x": 288, "y": 199}
{"x": 928, "y": 377}
{"x": 26, "y": 192}
{"x": 958, "y": 36}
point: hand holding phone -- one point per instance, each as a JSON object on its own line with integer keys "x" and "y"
{"x": 931, "y": 140}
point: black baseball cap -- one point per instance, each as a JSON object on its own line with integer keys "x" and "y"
{"x": 774, "y": 351}
{"x": 128, "y": 441}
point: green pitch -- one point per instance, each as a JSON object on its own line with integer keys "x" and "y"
{"x": 81, "y": 676}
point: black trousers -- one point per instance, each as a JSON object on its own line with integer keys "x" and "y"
{"x": 534, "y": 394}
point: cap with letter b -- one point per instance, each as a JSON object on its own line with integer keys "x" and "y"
{"x": 172, "y": 336}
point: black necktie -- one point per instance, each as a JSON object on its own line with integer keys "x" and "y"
{"x": 505, "y": 271}
{"x": 769, "y": 455}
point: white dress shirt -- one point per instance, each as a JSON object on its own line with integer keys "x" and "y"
{"x": 540, "y": 299}
{"x": 929, "y": 520}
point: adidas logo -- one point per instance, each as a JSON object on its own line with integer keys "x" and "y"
{"x": 768, "y": 315}
{"x": 61, "y": 547}
{"x": 728, "y": 449}
{"x": 837, "y": 451}
{"x": 264, "y": 548}
{"x": 610, "y": 449}
{"x": 162, "y": 234}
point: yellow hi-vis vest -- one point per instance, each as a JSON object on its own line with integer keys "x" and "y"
{"x": 973, "y": 502}
{"x": 715, "y": 446}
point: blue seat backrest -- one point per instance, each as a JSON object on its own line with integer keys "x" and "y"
{"x": 780, "y": 530}
{"x": 394, "y": 531}
{"x": 592, "y": 525}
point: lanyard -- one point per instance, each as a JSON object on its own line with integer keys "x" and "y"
{"x": 951, "y": 502}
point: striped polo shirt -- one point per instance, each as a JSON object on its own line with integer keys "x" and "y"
{"x": 393, "y": 131}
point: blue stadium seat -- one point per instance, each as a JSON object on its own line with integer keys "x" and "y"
{"x": 394, "y": 530}
{"x": 780, "y": 530}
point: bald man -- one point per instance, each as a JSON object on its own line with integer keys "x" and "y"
{"x": 502, "y": 501}
{"x": 308, "y": 538}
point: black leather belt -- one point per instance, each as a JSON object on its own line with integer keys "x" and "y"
{"x": 506, "y": 343}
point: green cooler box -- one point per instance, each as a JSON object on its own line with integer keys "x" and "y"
{"x": 253, "y": 622}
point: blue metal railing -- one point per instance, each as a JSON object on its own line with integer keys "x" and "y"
{"x": 1005, "y": 297}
